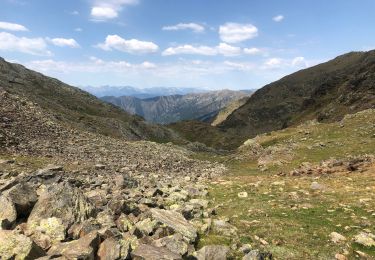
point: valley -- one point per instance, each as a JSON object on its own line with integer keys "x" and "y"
{"x": 83, "y": 179}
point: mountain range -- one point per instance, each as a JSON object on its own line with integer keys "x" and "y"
{"x": 173, "y": 108}
{"x": 325, "y": 92}
{"x": 142, "y": 93}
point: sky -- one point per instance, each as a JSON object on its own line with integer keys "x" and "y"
{"x": 211, "y": 44}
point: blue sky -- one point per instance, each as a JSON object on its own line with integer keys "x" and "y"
{"x": 181, "y": 43}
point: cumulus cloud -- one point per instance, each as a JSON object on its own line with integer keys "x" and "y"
{"x": 93, "y": 65}
{"x": 235, "y": 32}
{"x": 34, "y": 46}
{"x": 228, "y": 50}
{"x": 12, "y": 26}
{"x": 278, "y": 18}
{"x": 115, "y": 42}
{"x": 62, "y": 42}
{"x": 190, "y": 49}
{"x": 197, "y": 28}
{"x": 278, "y": 63}
{"x": 242, "y": 66}
{"x": 222, "y": 48}
{"x": 109, "y": 9}
{"x": 252, "y": 51}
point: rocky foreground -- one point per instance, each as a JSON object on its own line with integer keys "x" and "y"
{"x": 68, "y": 194}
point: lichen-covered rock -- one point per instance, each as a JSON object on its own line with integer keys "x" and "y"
{"x": 148, "y": 252}
{"x": 84, "y": 248}
{"x": 18, "y": 246}
{"x": 8, "y": 214}
{"x": 174, "y": 243}
{"x": 365, "y": 239}
{"x": 175, "y": 221}
{"x": 24, "y": 198}
{"x": 213, "y": 252}
{"x": 113, "y": 249}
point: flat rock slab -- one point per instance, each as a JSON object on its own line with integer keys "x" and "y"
{"x": 175, "y": 221}
{"x": 148, "y": 252}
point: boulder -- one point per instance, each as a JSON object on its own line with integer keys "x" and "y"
{"x": 146, "y": 226}
{"x": 18, "y": 246}
{"x": 24, "y": 198}
{"x": 148, "y": 252}
{"x": 213, "y": 252}
{"x": 84, "y": 248}
{"x": 174, "y": 243}
{"x": 109, "y": 250}
{"x": 8, "y": 214}
{"x": 257, "y": 255}
{"x": 337, "y": 238}
{"x": 57, "y": 209}
{"x": 365, "y": 239}
{"x": 175, "y": 221}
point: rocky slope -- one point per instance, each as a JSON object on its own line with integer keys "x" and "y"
{"x": 76, "y": 108}
{"x": 72, "y": 194}
{"x": 168, "y": 109}
{"x": 228, "y": 110}
{"x": 325, "y": 92}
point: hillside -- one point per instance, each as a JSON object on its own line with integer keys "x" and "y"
{"x": 229, "y": 109}
{"x": 76, "y": 108}
{"x": 168, "y": 109}
{"x": 325, "y": 92}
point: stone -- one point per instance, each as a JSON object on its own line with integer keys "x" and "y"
{"x": 213, "y": 252}
{"x": 148, "y": 252}
{"x": 123, "y": 223}
{"x": 336, "y": 237}
{"x": 245, "y": 249}
{"x": 106, "y": 219}
{"x": 365, "y": 239}
{"x": 18, "y": 246}
{"x": 203, "y": 203}
{"x": 110, "y": 249}
{"x": 340, "y": 257}
{"x": 242, "y": 194}
{"x": 316, "y": 186}
{"x": 83, "y": 248}
{"x": 61, "y": 202}
{"x": 146, "y": 226}
{"x": 174, "y": 243}
{"x": 224, "y": 228}
{"x": 8, "y": 213}
{"x": 100, "y": 166}
{"x": 257, "y": 255}
{"x": 24, "y": 198}
{"x": 175, "y": 221}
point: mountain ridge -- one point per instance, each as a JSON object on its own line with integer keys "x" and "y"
{"x": 173, "y": 108}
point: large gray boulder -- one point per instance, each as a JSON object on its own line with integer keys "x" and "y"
{"x": 57, "y": 209}
{"x": 175, "y": 221}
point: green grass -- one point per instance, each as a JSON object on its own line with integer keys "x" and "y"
{"x": 295, "y": 220}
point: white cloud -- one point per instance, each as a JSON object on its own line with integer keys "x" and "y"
{"x": 109, "y": 9}
{"x": 78, "y": 29}
{"x": 299, "y": 62}
{"x": 278, "y": 63}
{"x": 34, "y": 46}
{"x": 252, "y": 51}
{"x": 94, "y": 65}
{"x": 189, "y": 49}
{"x": 103, "y": 12}
{"x": 185, "y": 26}
{"x": 273, "y": 63}
{"x": 62, "y": 42}
{"x": 222, "y": 48}
{"x": 75, "y": 12}
{"x": 278, "y": 18}
{"x": 115, "y": 42}
{"x": 228, "y": 50}
{"x": 243, "y": 66}
{"x": 12, "y": 27}
{"x": 235, "y": 32}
